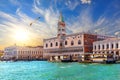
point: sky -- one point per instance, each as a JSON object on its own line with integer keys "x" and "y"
{"x": 96, "y": 16}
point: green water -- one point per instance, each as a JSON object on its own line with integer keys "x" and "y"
{"x": 43, "y": 70}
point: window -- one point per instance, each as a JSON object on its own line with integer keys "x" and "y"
{"x": 107, "y": 46}
{"x": 56, "y": 43}
{"x": 58, "y": 29}
{"x": 46, "y": 45}
{"x": 79, "y": 42}
{"x": 51, "y": 45}
{"x": 60, "y": 44}
{"x": 103, "y": 46}
{"x": 112, "y": 52}
{"x": 117, "y": 53}
{"x": 117, "y": 45}
{"x": 65, "y": 42}
{"x": 112, "y": 45}
{"x": 98, "y": 46}
{"x": 72, "y": 43}
{"x": 63, "y": 30}
{"x": 95, "y": 47}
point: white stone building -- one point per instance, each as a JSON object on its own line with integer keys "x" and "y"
{"x": 64, "y": 46}
{"x": 108, "y": 49}
{"x": 23, "y": 53}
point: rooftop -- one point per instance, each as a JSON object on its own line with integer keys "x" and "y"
{"x": 109, "y": 40}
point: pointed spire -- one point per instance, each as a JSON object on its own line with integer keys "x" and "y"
{"x": 61, "y": 18}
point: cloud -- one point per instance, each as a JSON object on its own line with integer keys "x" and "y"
{"x": 82, "y": 22}
{"x": 38, "y": 2}
{"x": 50, "y": 17}
{"x": 72, "y": 4}
{"x": 15, "y": 2}
{"x": 85, "y": 1}
{"x": 108, "y": 22}
{"x": 103, "y": 25}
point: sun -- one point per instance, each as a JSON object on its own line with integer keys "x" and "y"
{"x": 21, "y": 35}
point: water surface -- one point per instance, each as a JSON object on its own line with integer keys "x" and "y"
{"x": 43, "y": 70}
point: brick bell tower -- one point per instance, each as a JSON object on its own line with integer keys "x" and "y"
{"x": 61, "y": 30}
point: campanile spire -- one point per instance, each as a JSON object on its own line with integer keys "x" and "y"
{"x": 61, "y": 18}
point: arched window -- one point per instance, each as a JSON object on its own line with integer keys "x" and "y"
{"x": 72, "y": 43}
{"x": 58, "y": 29}
{"x": 46, "y": 45}
{"x": 98, "y": 46}
{"x": 51, "y": 45}
{"x": 112, "y": 45}
{"x": 60, "y": 44}
{"x": 102, "y": 46}
{"x": 79, "y": 42}
{"x": 56, "y": 43}
{"x": 107, "y": 46}
{"x": 63, "y": 30}
{"x": 95, "y": 47}
{"x": 65, "y": 42}
{"x": 117, "y": 53}
{"x": 117, "y": 45}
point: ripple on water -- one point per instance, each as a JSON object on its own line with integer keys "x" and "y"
{"x": 43, "y": 70}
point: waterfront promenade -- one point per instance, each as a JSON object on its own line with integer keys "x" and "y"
{"x": 43, "y": 70}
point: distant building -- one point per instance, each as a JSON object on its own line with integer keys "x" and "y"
{"x": 1, "y": 54}
{"x": 106, "y": 50}
{"x": 74, "y": 46}
{"x": 23, "y": 53}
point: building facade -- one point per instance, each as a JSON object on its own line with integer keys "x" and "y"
{"x": 23, "y": 53}
{"x": 72, "y": 46}
{"x": 106, "y": 50}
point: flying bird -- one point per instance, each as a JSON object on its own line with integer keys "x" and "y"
{"x": 117, "y": 33}
{"x": 34, "y": 21}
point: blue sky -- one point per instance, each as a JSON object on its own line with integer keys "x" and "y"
{"x": 101, "y": 16}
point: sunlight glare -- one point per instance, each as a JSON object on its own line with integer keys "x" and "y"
{"x": 21, "y": 35}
